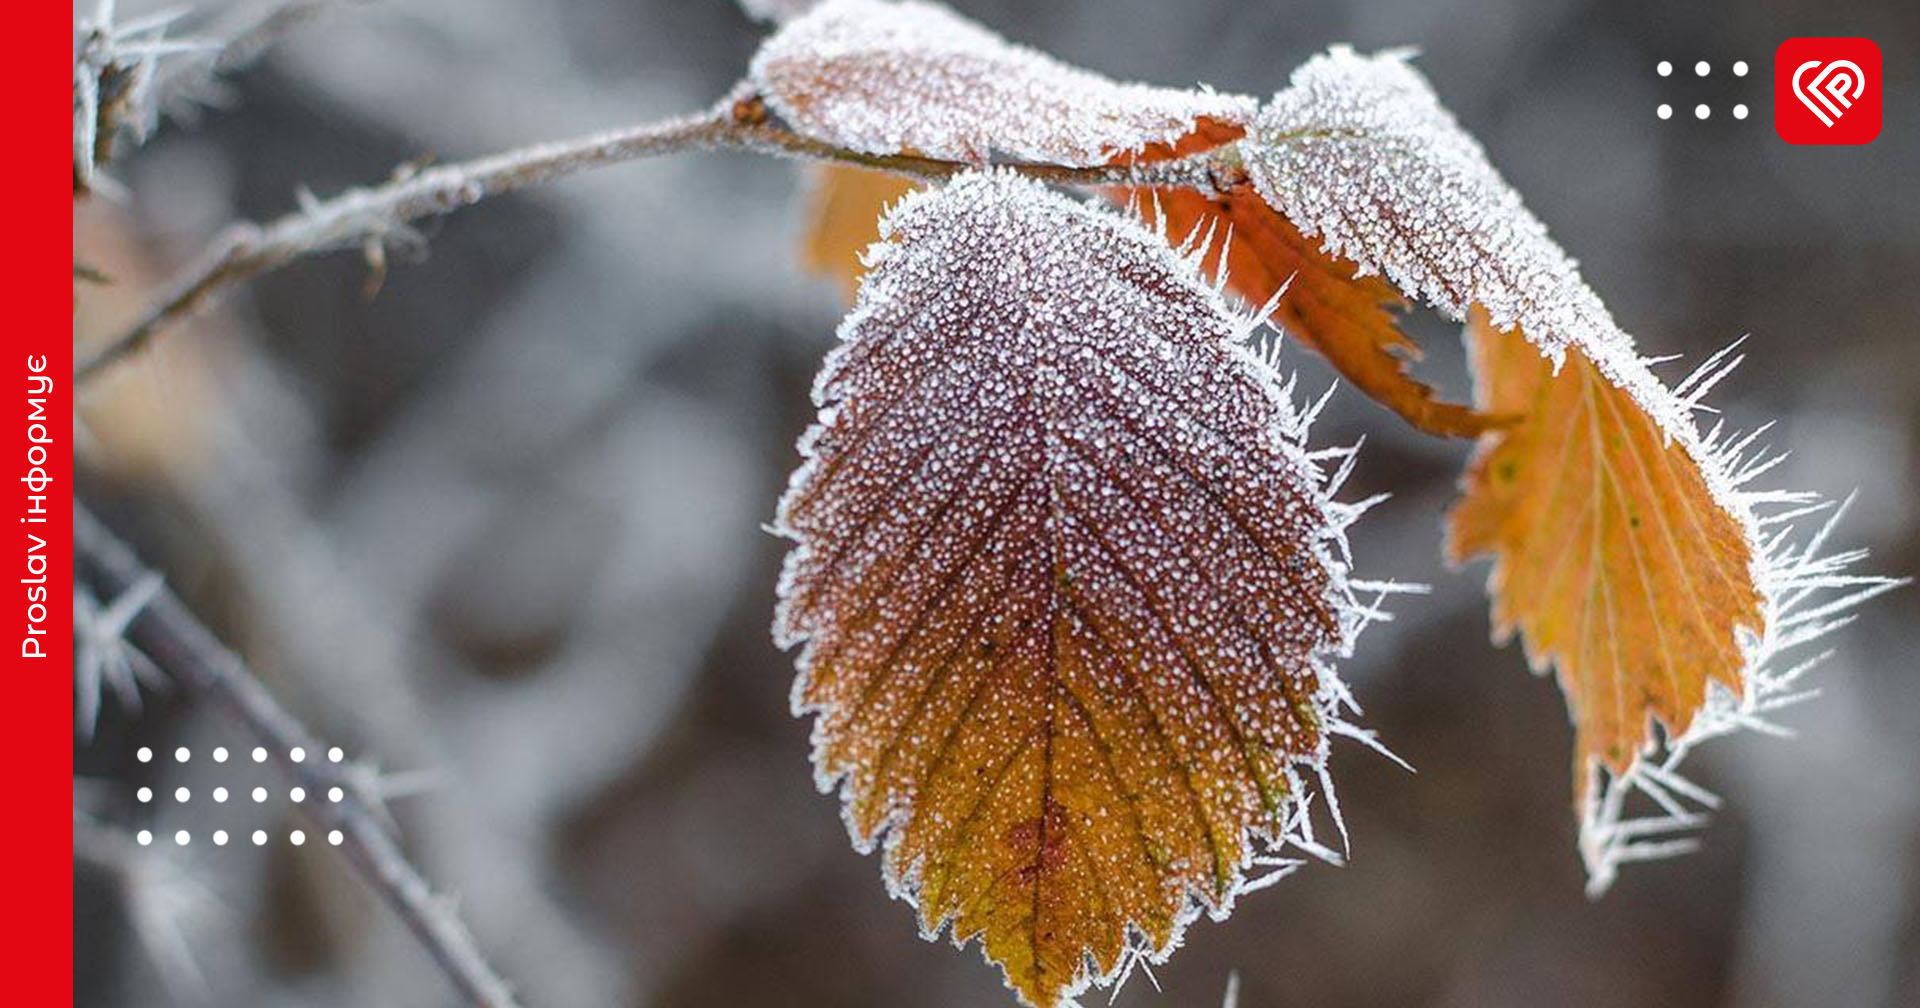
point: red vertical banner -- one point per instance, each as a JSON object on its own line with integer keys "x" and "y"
{"x": 36, "y": 372}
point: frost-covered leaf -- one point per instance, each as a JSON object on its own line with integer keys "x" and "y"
{"x": 1628, "y": 556}
{"x": 1634, "y": 566}
{"x": 1617, "y": 560}
{"x": 843, "y": 218}
{"x": 1067, "y": 581}
{"x": 1349, "y": 318}
{"x": 916, "y": 78}
{"x": 1358, "y": 153}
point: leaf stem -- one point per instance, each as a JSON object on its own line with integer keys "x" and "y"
{"x": 368, "y": 217}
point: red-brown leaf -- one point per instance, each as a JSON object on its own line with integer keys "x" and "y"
{"x": 1065, "y": 580}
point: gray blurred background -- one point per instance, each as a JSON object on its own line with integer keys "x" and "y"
{"x": 502, "y": 523}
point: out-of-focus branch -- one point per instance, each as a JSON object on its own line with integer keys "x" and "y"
{"x": 235, "y": 42}
{"x": 367, "y": 218}
{"x": 167, "y": 632}
{"x": 126, "y": 74}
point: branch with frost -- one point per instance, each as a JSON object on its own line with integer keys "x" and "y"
{"x": 369, "y": 218}
{"x": 168, "y": 633}
{"x": 127, "y": 74}
{"x": 103, "y": 660}
{"x": 114, "y": 66}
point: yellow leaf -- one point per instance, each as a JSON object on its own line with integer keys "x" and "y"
{"x": 1616, "y": 562}
{"x": 1067, "y": 581}
{"x": 843, "y": 218}
{"x": 1629, "y": 554}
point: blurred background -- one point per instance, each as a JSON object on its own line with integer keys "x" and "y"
{"x": 501, "y": 525}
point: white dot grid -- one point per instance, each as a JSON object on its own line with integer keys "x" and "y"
{"x": 220, "y": 754}
{"x": 1701, "y": 69}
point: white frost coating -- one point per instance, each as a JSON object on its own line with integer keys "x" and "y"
{"x": 990, "y": 314}
{"x": 1359, "y": 151}
{"x": 1805, "y": 592}
{"x": 891, "y": 78}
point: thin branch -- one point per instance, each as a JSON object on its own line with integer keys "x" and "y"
{"x": 366, "y": 218}
{"x": 181, "y": 645}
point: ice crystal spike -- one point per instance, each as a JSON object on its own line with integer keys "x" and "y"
{"x": 891, "y": 78}
{"x": 1068, "y": 582}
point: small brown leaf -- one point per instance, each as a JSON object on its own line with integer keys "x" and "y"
{"x": 1067, "y": 582}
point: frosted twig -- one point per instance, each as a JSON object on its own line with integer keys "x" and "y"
{"x": 126, "y": 74}
{"x": 102, "y": 658}
{"x": 182, "y": 646}
{"x": 235, "y": 42}
{"x": 369, "y": 217}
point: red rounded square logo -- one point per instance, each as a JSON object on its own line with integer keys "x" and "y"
{"x": 1826, "y": 90}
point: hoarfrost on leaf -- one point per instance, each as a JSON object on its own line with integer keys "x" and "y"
{"x": 1631, "y": 554}
{"x": 1068, "y": 582}
{"x": 916, "y": 78}
{"x": 1359, "y": 151}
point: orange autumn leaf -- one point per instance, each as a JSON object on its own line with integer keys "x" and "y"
{"x": 1067, "y": 581}
{"x": 1347, "y": 317}
{"x": 843, "y": 218}
{"x": 1629, "y": 551}
{"x": 1616, "y": 561}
